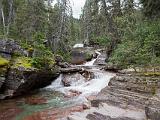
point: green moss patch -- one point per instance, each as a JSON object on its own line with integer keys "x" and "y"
{"x": 22, "y": 62}
{"x": 3, "y": 62}
{"x": 151, "y": 74}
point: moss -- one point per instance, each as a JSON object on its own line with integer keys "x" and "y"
{"x": 22, "y": 62}
{"x": 30, "y": 49}
{"x": 151, "y": 74}
{"x": 88, "y": 56}
{"x": 3, "y": 62}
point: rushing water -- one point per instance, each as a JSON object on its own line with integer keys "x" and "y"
{"x": 53, "y": 96}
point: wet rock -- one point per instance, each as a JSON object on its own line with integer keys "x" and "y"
{"x": 71, "y": 70}
{"x": 72, "y": 79}
{"x": 87, "y": 74}
{"x": 95, "y": 103}
{"x": 81, "y": 55}
{"x": 86, "y": 105}
{"x": 91, "y": 98}
{"x": 72, "y": 93}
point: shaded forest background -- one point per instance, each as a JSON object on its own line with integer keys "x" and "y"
{"x": 128, "y": 30}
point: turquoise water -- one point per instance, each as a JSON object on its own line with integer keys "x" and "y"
{"x": 54, "y": 100}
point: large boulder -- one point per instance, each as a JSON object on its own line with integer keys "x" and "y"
{"x": 22, "y": 80}
{"x": 22, "y": 77}
{"x": 10, "y": 47}
{"x": 81, "y": 55}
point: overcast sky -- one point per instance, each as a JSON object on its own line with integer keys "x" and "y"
{"x": 77, "y": 5}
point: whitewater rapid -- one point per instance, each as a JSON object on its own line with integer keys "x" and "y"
{"x": 86, "y": 88}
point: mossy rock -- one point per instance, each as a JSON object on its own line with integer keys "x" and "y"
{"x": 3, "y": 62}
{"x": 22, "y": 62}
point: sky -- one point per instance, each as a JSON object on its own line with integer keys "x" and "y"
{"x": 77, "y": 6}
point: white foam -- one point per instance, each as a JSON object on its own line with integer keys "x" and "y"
{"x": 78, "y": 45}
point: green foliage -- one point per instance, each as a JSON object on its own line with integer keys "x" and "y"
{"x": 66, "y": 55}
{"x": 151, "y": 8}
{"x": 43, "y": 62}
{"x": 102, "y": 40}
{"x": 140, "y": 46}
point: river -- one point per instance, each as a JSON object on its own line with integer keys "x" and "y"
{"x": 57, "y": 101}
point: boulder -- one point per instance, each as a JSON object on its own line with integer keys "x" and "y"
{"x": 81, "y": 55}
{"x": 17, "y": 73}
{"x": 21, "y": 80}
{"x": 10, "y": 47}
{"x": 21, "y": 77}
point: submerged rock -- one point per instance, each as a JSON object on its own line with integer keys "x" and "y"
{"x": 9, "y": 112}
{"x": 35, "y": 100}
{"x": 54, "y": 114}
